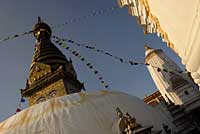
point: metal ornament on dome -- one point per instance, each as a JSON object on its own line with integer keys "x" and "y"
{"x": 40, "y": 28}
{"x": 45, "y": 51}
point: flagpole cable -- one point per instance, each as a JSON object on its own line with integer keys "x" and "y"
{"x": 89, "y": 65}
{"x": 73, "y": 20}
{"x": 122, "y": 60}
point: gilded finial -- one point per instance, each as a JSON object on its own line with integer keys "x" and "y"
{"x": 40, "y": 27}
{"x": 39, "y": 19}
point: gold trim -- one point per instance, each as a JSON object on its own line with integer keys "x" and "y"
{"x": 157, "y": 23}
{"x": 153, "y": 20}
{"x": 37, "y": 33}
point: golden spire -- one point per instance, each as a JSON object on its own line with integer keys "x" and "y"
{"x": 45, "y": 51}
{"x": 51, "y": 74}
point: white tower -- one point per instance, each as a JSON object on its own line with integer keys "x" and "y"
{"x": 177, "y": 88}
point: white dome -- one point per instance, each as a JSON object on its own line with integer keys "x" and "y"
{"x": 81, "y": 113}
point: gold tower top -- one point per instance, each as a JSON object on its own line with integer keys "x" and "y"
{"x": 51, "y": 74}
{"x": 41, "y": 29}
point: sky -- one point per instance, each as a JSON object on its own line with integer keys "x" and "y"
{"x": 115, "y": 32}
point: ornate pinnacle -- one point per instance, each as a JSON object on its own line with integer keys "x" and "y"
{"x": 39, "y": 19}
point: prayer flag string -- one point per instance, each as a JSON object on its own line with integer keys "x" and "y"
{"x": 15, "y": 36}
{"x": 81, "y": 58}
{"x": 73, "y": 20}
{"x": 19, "y": 108}
{"x": 92, "y": 14}
{"x": 121, "y": 60}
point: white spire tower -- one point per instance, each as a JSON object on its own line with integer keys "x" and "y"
{"x": 177, "y": 88}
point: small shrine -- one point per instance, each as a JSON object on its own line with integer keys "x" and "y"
{"x": 128, "y": 125}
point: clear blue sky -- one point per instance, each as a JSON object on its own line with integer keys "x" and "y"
{"x": 116, "y": 32}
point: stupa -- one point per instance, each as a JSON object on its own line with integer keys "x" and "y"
{"x": 57, "y": 105}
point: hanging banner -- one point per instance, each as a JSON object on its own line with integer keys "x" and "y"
{"x": 20, "y": 105}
